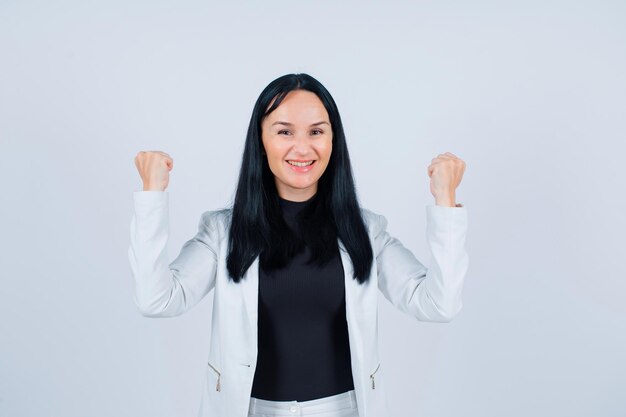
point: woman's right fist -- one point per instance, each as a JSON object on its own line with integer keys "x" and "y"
{"x": 154, "y": 168}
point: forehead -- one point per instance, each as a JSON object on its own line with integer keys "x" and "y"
{"x": 299, "y": 106}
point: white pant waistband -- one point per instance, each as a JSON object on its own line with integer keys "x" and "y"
{"x": 338, "y": 402}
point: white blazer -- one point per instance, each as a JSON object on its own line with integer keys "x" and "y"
{"x": 165, "y": 289}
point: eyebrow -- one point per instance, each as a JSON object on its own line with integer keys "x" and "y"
{"x": 291, "y": 124}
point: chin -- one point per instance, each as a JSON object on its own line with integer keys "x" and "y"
{"x": 299, "y": 184}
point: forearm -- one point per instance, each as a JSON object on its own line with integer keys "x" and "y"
{"x": 147, "y": 252}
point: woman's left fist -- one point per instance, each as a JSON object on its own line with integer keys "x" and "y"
{"x": 445, "y": 172}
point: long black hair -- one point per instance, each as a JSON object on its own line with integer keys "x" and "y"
{"x": 257, "y": 226}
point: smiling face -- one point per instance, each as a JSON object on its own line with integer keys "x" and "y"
{"x": 297, "y": 132}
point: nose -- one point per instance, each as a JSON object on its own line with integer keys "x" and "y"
{"x": 301, "y": 145}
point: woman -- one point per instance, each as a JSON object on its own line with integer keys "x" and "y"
{"x": 296, "y": 265}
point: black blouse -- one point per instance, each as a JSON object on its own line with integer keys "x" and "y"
{"x": 303, "y": 346}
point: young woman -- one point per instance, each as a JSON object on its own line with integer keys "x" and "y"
{"x": 296, "y": 265}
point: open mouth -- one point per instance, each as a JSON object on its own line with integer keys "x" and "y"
{"x": 301, "y": 166}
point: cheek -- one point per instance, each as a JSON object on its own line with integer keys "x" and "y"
{"x": 274, "y": 153}
{"x": 327, "y": 153}
{"x": 325, "y": 150}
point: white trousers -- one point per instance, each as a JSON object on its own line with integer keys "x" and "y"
{"x": 340, "y": 405}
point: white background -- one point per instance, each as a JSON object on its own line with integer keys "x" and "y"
{"x": 530, "y": 94}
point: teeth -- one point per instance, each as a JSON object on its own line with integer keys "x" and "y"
{"x": 300, "y": 164}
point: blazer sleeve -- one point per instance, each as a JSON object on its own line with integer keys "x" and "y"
{"x": 162, "y": 289}
{"x": 428, "y": 294}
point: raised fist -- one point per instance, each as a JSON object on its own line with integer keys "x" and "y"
{"x": 445, "y": 172}
{"x": 154, "y": 168}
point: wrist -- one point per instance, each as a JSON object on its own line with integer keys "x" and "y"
{"x": 448, "y": 201}
{"x": 152, "y": 188}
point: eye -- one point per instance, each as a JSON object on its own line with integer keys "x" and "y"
{"x": 317, "y": 130}
{"x": 280, "y": 131}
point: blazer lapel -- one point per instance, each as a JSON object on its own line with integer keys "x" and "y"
{"x": 250, "y": 288}
{"x": 354, "y": 295}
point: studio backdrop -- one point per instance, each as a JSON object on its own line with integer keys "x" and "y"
{"x": 530, "y": 94}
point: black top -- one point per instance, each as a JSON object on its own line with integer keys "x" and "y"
{"x": 303, "y": 346}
